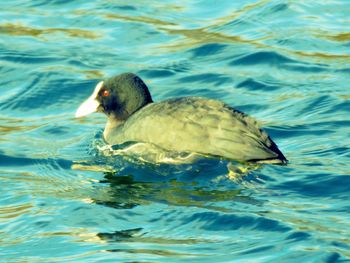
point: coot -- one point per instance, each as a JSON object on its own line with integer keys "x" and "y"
{"x": 185, "y": 124}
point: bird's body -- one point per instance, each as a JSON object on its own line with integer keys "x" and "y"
{"x": 192, "y": 124}
{"x": 189, "y": 124}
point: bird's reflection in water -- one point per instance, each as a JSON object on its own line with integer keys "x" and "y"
{"x": 195, "y": 185}
{"x": 126, "y": 185}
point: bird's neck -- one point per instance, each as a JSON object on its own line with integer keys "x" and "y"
{"x": 112, "y": 123}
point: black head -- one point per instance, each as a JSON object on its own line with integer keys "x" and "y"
{"x": 119, "y": 97}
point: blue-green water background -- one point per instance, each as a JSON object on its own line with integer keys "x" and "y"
{"x": 287, "y": 63}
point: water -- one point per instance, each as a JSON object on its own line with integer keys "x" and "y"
{"x": 286, "y": 63}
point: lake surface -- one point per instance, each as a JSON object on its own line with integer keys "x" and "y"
{"x": 286, "y": 63}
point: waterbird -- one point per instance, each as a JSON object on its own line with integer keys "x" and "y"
{"x": 186, "y": 124}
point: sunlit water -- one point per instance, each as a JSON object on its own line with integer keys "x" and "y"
{"x": 286, "y": 63}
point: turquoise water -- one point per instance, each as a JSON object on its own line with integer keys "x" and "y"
{"x": 286, "y": 63}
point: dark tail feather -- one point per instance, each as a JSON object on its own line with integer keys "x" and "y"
{"x": 280, "y": 159}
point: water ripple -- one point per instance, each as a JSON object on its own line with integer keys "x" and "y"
{"x": 286, "y": 63}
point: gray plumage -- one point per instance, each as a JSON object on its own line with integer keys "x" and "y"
{"x": 187, "y": 124}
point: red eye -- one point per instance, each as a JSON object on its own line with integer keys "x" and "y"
{"x": 105, "y": 93}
